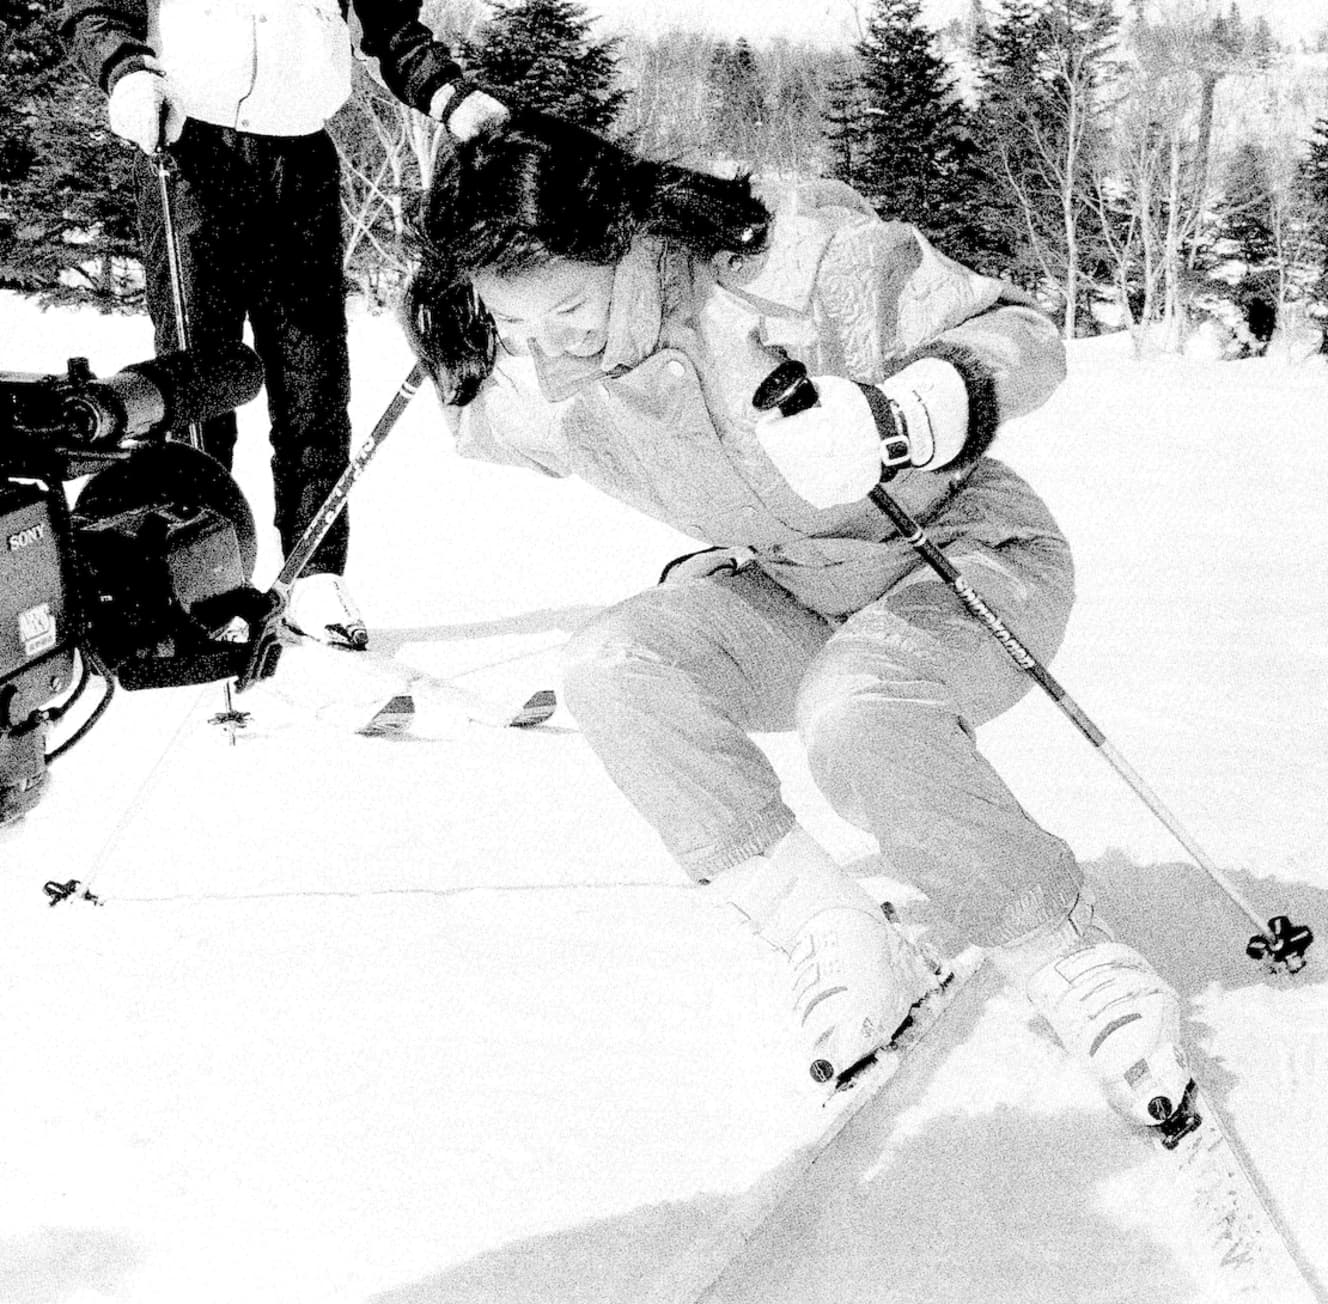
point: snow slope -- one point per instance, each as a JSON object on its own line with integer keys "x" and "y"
{"x": 368, "y": 1022}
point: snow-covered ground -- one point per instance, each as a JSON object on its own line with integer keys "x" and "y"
{"x": 402, "y": 1021}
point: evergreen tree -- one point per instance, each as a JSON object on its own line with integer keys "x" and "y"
{"x": 913, "y": 141}
{"x": 1314, "y": 170}
{"x": 845, "y": 116}
{"x": 67, "y": 219}
{"x": 1245, "y": 241}
{"x": 1228, "y": 34}
{"x": 1313, "y": 180}
{"x": 1015, "y": 113}
{"x": 538, "y": 53}
{"x": 1244, "y": 215}
{"x": 1262, "y": 46}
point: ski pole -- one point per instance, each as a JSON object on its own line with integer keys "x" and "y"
{"x": 1278, "y": 942}
{"x": 266, "y": 638}
{"x": 316, "y": 530}
{"x": 228, "y": 716}
{"x": 161, "y": 162}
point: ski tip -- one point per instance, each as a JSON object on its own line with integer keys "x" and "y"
{"x": 392, "y": 718}
{"x": 535, "y": 710}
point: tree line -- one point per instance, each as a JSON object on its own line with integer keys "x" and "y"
{"x": 1093, "y": 157}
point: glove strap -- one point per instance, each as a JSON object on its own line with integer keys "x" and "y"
{"x": 896, "y": 449}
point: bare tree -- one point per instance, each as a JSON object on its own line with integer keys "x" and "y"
{"x": 388, "y": 155}
{"x": 1155, "y": 157}
{"x": 1045, "y": 131}
{"x": 1162, "y": 152}
{"x": 667, "y": 112}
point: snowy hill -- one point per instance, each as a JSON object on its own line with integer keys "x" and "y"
{"x": 403, "y": 1021}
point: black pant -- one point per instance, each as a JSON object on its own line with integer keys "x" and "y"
{"x": 258, "y": 223}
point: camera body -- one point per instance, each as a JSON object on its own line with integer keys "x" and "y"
{"x": 144, "y": 580}
{"x": 37, "y": 648}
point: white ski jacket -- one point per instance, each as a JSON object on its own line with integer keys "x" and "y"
{"x": 271, "y": 67}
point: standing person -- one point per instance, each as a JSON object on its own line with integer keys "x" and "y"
{"x": 240, "y": 91}
{"x": 595, "y": 314}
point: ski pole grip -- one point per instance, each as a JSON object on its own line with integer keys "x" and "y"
{"x": 788, "y": 389}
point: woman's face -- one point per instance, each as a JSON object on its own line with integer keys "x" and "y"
{"x": 560, "y": 308}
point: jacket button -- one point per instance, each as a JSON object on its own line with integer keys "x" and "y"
{"x": 675, "y": 367}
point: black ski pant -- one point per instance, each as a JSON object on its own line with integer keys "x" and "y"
{"x": 258, "y": 223}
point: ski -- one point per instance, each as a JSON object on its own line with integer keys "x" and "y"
{"x": 396, "y": 716}
{"x": 1230, "y": 1216}
{"x": 375, "y": 695}
{"x": 859, "y": 1084}
{"x": 417, "y": 700}
{"x": 1236, "y": 1245}
{"x": 691, "y": 1276}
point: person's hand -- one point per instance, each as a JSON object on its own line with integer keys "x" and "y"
{"x": 709, "y": 561}
{"x": 836, "y": 451}
{"x": 143, "y": 108}
{"x": 830, "y": 453}
{"x": 465, "y": 110}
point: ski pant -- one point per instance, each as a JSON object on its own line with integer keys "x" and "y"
{"x": 668, "y": 686}
{"x": 258, "y": 223}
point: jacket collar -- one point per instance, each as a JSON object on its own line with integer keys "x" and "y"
{"x": 636, "y": 308}
{"x": 636, "y": 314}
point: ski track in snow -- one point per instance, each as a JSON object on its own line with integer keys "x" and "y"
{"x": 366, "y": 1022}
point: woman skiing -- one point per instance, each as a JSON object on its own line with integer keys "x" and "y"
{"x": 593, "y": 313}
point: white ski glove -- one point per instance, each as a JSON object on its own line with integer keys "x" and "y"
{"x": 836, "y": 451}
{"x": 465, "y": 110}
{"x": 143, "y": 109}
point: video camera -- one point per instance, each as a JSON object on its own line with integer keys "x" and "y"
{"x": 140, "y": 579}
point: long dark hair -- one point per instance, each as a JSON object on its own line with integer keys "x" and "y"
{"x": 540, "y": 188}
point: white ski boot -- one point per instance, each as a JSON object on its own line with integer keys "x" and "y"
{"x": 1107, "y": 1006}
{"x": 321, "y": 607}
{"x": 855, "y": 976}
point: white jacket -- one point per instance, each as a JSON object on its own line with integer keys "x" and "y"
{"x": 272, "y": 67}
{"x": 664, "y": 421}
